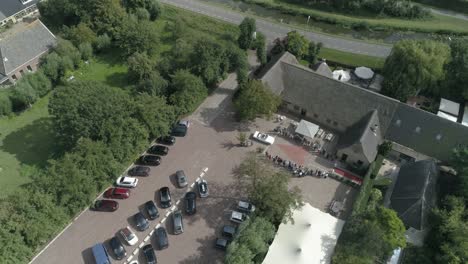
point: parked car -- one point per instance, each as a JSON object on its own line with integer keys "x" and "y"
{"x": 163, "y": 241}
{"x": 149, "y": 254}
{"x": 129, "y": 236}
{"x": 142, "y": 171}
{"x": 100, "y": 254}
{"x": 133, "y": 262}
{"x": 151, "y": 160}
{"x": 158, "y": 150}
{"x": 221, "y": 243}
{"x": 264, "y": 138}
{"x": 180, "y": 129}
{"x": 165, "y": 197}
{"x": 190, "y": 203}
{"x": 245, "y": 207}
{"x": 117, "y": 248}
{"x": 128, "y": 182}
{"x": 117, "y": 193}
{"x": 181, "y": 178}
{"x": 152, "y": 210}
{"x": 229, "y": 231}
{"x": 203, "y": 188}
{"x": 167, "y": 140}
{"x": 106, "y": 205}
{"x": 141, "y": 222}
{"x": 177, "y": 222}
{"x": 238, "y": 217}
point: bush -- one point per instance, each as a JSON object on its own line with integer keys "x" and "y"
{"x": 6, "y": 107}
{"x": 86, "y": 51}
{"x": 102, "y": 42}
{"x": 23, "y": 95}
{"x": 39, "y": 82}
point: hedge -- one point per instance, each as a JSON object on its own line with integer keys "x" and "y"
{"x": 363, "y": 197}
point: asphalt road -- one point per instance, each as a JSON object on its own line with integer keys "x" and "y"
{"x": 273, "y": 31}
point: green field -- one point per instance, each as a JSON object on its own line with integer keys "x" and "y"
{"x": 435, "y": 24}
{"x": 351, "y": 59}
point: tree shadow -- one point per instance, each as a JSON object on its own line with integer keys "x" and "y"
{"x": 33, "y": 144}
{"x": 117, "y": 79}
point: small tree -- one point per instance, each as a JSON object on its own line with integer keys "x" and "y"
{"x": 86, "y": 51}
{"x": 297, "y": 44}
{"x": 140, "y": 66}
{"x": 385, "y": 148}
{"x": 261, "y": 48}
{"x": 242, "y": 137}
{"x": 5, "y": 104}
{"x": 247, "y": 28}
{"x": 255, "y": 99}
{"x": 102, "y": 42}
{"x": 314, "y": 50}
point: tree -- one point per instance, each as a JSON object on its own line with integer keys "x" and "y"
{"x": 102, "y": 42}
{"x": 108, "y": 17}
{"x": 154, "y": 9}
{"x": 65, "y": 49}
{"x": 5, "y": 104}
{"x": 81, "y": 33}
{"x": 86, "y": 51}
{"x": 39, "y": 82}
{"x": 246, "y": 37}
{"x": 137, "y": 36}
{"x": 385, "y": 148}
{"x": 50, "y": 66}
{"x": 297, "y": 44}
{"x": 238, "y": 253}
{"x": 188, "y": 91}
{"x": 255, "y": 99}
{"x": 209, "y": 61}
{"x": 23, "y": 95}
{"x": 414, "y": 65}
{"x": 141, "y": 14}
{"x": 261, "y": 48}
{"x": 314, "y": 50}
{"x": 154, "y": 85}
{"x": 56, "y": 13}
{"x": 460, "y": 163}
{"x": 238, "y": 63}
{"x": 140, "y": 66}
{"x": 457, "y": 70}
{"x": 159, "y": 120}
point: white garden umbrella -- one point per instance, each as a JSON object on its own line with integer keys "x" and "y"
{"x": 341, "y": 75}
{"x": 364, "y": 73}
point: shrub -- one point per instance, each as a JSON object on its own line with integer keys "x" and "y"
{"x": 5, "y": 104}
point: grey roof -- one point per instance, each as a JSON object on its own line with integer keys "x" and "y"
{"x": 11, "y": 7}
{"x": 364, "y": 135}
{"x": 426, "y": 133}
{"x": 323, "y": 69}
{"x": 326, "y": 99}
{"x": 23, "y": 43}
{"x": 414, "y": 192}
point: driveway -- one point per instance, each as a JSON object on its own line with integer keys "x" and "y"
{"x": 273, "y": 31}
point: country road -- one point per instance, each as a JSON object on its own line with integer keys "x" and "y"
{"x": 273, "y": 31}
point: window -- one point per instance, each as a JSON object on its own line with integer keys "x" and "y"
{"x": 417, "y": 130}
{"x": 303, "y": 112}
{"x": 29, "y": 68}
{"x": 14, "y": 77}
{"x": 21, "y": 72}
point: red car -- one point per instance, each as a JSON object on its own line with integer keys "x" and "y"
{"x": 106, "y": 205}
{"x": 117, "y": 193}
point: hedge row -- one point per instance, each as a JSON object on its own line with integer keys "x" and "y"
{"x": 363, "y": 197}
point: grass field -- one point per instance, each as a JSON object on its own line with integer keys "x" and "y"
{"x": 435, "y": 24}
{"x": 459, "y": 6}
{"x": 351, "y": 59}
{"x": 25, "y": 140}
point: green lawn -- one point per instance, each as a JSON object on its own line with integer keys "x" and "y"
{"x": 351, "y": 59}
{"x": 435, "y": 24}
{"x": 25, "y": 140}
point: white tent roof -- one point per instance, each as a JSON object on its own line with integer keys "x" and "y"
{"x": 307, "y": 129}
{"x": 341, "y": 75}
{"x": 364, "y": 72}
{"x": 449, "y": 107}
{"x": 311, "y": 239}
{"x": 465, "y": 117}
{"x": 447, "y": 116}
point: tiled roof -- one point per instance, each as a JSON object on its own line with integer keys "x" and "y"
{"x": 11, "y": 7}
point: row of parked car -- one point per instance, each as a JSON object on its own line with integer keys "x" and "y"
{"x": 244, "y": 209}
{"x": 152, "y": 157}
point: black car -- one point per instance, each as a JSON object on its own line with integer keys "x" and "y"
{"x": 141, "y": 222}
{"x": 152, "y": 210}
{"x": 139, "y": 171}
{"x": 151, "y": 160}
{"x": 190, "y": 203}
{"x": 106, "y": 205}
{"x": 163, "y": 241}
{"x": 117, "y": 248}
{"x": 165, "y": 197}
{"x": 158, "y": 150}
{"x": 179, "y": 130}
{"x": 167, "y": 140}
{"x": 149, "y": 254}
{"x": 221, "y": 243}
{"x": 229, "y": 231}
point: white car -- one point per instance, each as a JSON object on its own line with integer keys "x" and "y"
{"x": 238, "y": 217}
{"x": 264, "y": 138}
{"x": 129, "y": 182}
{"x": 128, "y": 235}
{"x": 246, "y": 207}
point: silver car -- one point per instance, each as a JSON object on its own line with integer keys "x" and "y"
{"x": 181, "y": 179}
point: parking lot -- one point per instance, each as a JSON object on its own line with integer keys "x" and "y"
{"x": 210, "y": 146}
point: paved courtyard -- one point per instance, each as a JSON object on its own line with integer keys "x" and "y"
{"x": 210, "y": 145}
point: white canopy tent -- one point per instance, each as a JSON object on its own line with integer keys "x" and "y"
{"x": 311, "y": 239}
{"x": 341, "y": 75}
{"x": 449, "y": 107}
{"x": 306, "y": 129}
{"x": 364, "y": 73}
{"x": 447, "y": 116}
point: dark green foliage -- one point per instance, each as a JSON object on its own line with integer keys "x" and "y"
{"x": 140, "y": 66}
{"x": 297, "y": 44}
{"x": 255, "y": 100}
{"x": 238, "y": 63}
{"x": 81, "y": 33}
{"x": 314, "y": 50}
{"x": 108, "y": 17}
{"x": 137, "y": 36}
{"x": 154, "y": 9}
{"x": 102, "y": 42}
{"x": 209, "y": 61}
{"x": 50, "y": 66}
{"x": 260, "y": 45}
{"x": 414, "y": 65}
{"x": 5, "y": 104}
{"x": 65, "y": 49}
{"x": 460, "y": 164}
{"x": 154, "y": 85}
{"x": 151, "y": 6}
{"x": 457, "y": 70}
{"x": 86, "y": 51}
{"x": 247, "y": 28}
{"x": 154, "y": 114}
{"x": 385, "y": 148}
{"x": 141, "y": 14}
{"x": 188, "y": 91}
{"x": 23, "y": 95}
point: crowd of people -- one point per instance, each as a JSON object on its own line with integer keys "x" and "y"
{"x": 297, "y": 169}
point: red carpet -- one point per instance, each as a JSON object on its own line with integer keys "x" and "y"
{"x": 294, "y": 153}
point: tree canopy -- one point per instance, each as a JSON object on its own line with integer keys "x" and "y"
{"x": 297, "y": 44}
{"x": 188, "y": 91}
{"x": 255, "y": 99}
{"x": 457, "y": 70}
{"x": 414, "y": 65}
{"x": 246, "y": 37}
